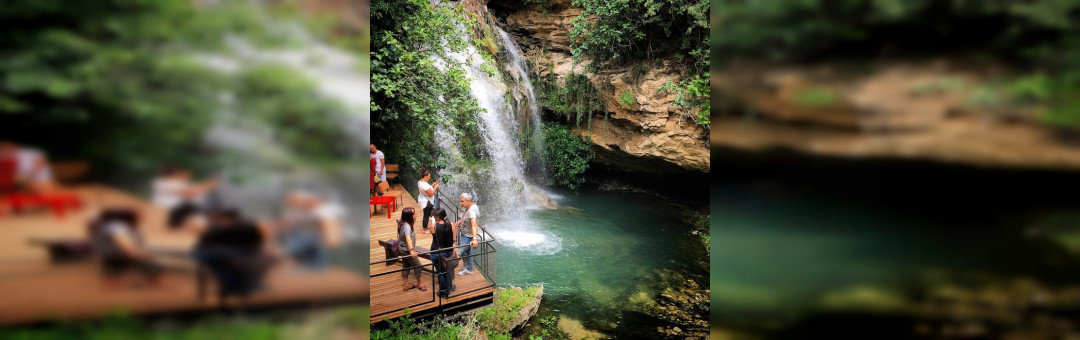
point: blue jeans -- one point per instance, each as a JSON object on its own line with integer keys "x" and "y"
{"x": 446, "y": 278}
{"x": 465, "y": 252}
{"x": 307, "y": 249}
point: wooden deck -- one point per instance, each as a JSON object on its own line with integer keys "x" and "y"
{"x": 386, "y": 295}
{"x": 33, "y": 290}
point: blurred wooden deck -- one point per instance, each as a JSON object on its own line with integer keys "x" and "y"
{"x": 386, "y": 295}
{"x": 32, "y": 289}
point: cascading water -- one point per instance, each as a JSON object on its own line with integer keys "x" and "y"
{"x": 500, "y": 187}
{"x": 521, "y": 76}
{"x": 271, "y": 169}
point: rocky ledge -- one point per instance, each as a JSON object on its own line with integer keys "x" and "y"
{"x": 924, "y": 110}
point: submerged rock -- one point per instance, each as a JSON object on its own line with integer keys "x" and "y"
{"x": 577, "y": 331}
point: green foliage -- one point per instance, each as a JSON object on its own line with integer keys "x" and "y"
{"x": 693, "y": 96}
{"x": 567, "y": 156}
{"x": 815, "y": 97}
{"x": 107, "y": 72}
{"x": 508, "y": 304}
{"x": 117, "y": 79}
{"x": 627, "y": 99}
{"x": 287, "y": 99}
{"x": 577, "y": 98}
{"x": 620, "y": 31}
{"x": 549, "y": 329}
{"x": 410, "y": 95}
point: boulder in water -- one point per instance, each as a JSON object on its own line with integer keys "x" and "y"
{"x": 541, "y": 199}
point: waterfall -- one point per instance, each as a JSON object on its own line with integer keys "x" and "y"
{"x": 521, "y": 76}
{"x": 271, "y": 169}
{"x": 511, "y": 115}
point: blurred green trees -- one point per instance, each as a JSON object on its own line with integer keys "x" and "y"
{"x": 115, "y": 82}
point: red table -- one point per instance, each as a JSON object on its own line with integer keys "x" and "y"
{"x": 388, "y": 201}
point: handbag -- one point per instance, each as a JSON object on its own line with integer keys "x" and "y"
{"x": 448, "y": 262}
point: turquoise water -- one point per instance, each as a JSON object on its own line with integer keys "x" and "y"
{"x": 780, "y": 255}
{"x": 595, "y": 252}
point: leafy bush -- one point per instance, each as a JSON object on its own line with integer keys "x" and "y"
{"x": 410, "y": 95}
{"x": 626, "y": 99}
{"x": 567, "y": 156}
{"x": 622, "y": 31}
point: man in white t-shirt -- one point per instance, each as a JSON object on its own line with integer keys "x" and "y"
{"x": 380, "y": 162}
{"x": 174, "y": 191}
{"x": 31, "y": 167}
{"x": 426, "y": 198}
{"x": 468, "y": 234}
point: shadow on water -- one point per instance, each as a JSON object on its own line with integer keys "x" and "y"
{"x": 803, "y": 245}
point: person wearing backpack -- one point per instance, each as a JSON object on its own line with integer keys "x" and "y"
{"x": 406, "y": 246}
{"x": 443, "y": 239}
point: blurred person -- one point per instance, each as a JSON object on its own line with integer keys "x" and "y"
{"x": 32, "y": 172}
{"x": 115, "y": 236}
{"x": 407, "y": 243}
{"x": 174, "y": 191}
{"x": 308, "y": 229}
{"x": 372, "y": 176}
{"x": 443, "y": 238}
{"x": 426, "y": 198}
{"x": 233, "y": 249}
{"x": 467, "y": 228}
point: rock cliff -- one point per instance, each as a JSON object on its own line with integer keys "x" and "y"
{"x": 650, "y": 135}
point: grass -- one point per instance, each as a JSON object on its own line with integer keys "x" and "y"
{"x": 509, "y": 302}
{"x": 121, "y": 325}
{"x": 815, "y": 97}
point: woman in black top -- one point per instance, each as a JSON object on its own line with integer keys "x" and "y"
{"x": 232, "y": 248}
{"x": 442, "y": 243}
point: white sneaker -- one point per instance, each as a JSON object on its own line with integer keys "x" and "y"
{"x": 464, "y": 272}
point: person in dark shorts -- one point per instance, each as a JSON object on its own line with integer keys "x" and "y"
{"x": 115, "y": 236}
{"x": 442, "y": 243}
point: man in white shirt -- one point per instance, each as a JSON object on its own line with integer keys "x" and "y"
{"x": 468, "y": 234}
{"x": 380, "y": 162}
{"x": 31, "y": 167}
{"x": 174, "y": 191}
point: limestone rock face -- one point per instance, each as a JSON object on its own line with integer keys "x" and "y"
{"x": 652, "y": 134}
{"x": 936, "y": 110}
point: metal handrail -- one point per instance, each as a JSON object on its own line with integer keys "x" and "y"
{"x": 446, "y": 202}
{"x": 484, "y": 235}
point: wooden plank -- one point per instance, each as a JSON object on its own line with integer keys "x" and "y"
{"x": 386, "y": 293}
{"x": 32, "y": 289}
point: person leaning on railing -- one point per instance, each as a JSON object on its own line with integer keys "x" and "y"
{"x": 472, "y": 212}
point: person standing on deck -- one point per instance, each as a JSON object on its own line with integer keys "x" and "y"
{"x": 467, "y": 228}
{"x": 380, "y": 162}
{"x": 443, "y": 239}
{"x": 427, "y": 196}
{"x": 407, "y": 244}
{"x": 32, "y": 172}
{"x": 309, "y": 229}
